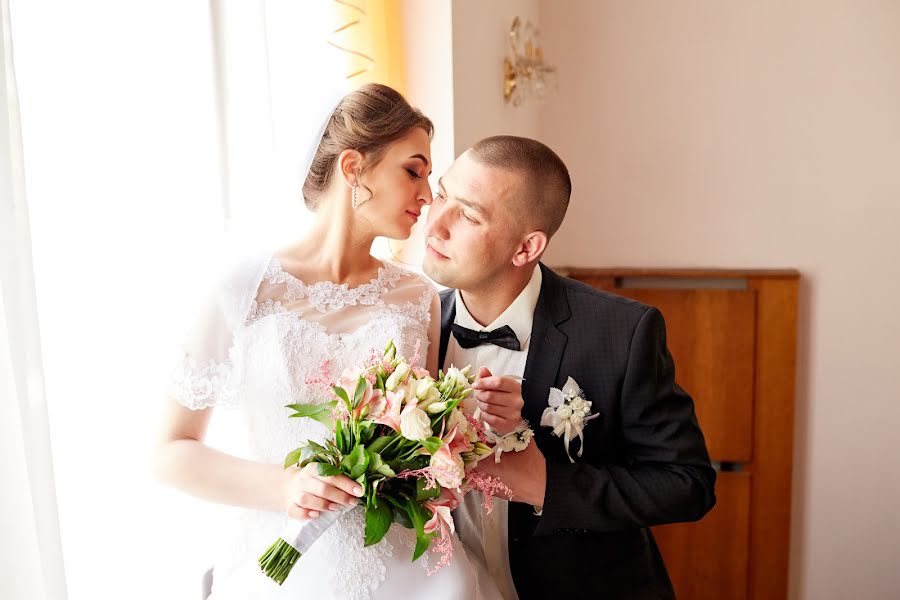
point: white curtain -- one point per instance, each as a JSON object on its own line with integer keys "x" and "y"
{"x": 147, "y": 127}
{"x": 31, "y": 564}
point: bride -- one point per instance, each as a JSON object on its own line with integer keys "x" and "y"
{"x": 269, "y": 327}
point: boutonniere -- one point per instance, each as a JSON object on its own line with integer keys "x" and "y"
{"x": 569, "y": 410}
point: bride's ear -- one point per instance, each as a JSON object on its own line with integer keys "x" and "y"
{"x": 349, "y": 164}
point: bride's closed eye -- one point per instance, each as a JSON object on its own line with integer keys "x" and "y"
{"x": 413, "y": 174}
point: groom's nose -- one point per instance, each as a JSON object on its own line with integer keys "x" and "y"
{"x": 435, "y": 226}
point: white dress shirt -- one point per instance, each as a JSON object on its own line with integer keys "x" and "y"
{"x": 485, "y": 536}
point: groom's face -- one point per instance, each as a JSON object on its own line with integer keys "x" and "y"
{"x": 471, "y": 233}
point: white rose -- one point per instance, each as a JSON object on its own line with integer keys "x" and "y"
{"x": 426, "y": 392}
{"x": 522, "y": 440}
{"x": 564, "y": 411}
{"x": 577, "y": 403}
{"x": 396, "y": 377}
{"x": 507, "y": 443}
{"x": 422, "y": 387}
{"x": 415, "y": 425}
{"x": 578, "y": 415}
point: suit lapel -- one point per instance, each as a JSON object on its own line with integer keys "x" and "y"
{"x": 546, "y": 347}
{"x": 448, "y": 314}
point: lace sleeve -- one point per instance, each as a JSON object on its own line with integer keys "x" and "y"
{"x": 209, "y": 372}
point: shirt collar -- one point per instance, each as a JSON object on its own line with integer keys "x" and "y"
{"x": 519, "y": 315}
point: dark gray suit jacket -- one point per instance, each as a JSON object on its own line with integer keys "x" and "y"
{"x": 645, "y": 461}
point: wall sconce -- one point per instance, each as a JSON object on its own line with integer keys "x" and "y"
{"x": 525, "y": 76}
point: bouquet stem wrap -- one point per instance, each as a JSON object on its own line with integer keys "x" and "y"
{"x": 296, "y": 539}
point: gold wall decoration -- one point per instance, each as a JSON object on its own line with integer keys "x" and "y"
{"x": 525, "y": 75}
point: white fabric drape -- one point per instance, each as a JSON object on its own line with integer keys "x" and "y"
{"x": 127, "y": 198}
{"x": 31, "y": 564}
{"x": 278, "y": 79}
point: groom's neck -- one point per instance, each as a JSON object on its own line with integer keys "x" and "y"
{"x": 488, "y": 302}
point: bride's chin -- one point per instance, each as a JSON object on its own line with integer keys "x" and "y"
{"x": 402, "y": 232}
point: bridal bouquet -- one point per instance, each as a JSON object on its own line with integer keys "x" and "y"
{"x": 409, "y": 440}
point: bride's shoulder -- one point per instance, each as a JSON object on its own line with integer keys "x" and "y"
{"x": 407, "y": 278}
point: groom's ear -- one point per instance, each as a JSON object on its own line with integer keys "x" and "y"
{"x": 530, "y": 248}
{"x": 349, "y": 163}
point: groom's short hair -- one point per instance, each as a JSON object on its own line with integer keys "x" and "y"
{"x": 546, "y": 188}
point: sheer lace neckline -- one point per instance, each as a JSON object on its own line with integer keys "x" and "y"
{"x": 327, "y": 295}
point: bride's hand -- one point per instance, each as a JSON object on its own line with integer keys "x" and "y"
{"x": 307, "y": 493}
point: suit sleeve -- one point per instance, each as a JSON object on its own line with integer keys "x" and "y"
{"x": 666, "y": 477}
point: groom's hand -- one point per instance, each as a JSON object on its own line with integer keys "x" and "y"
{"x": 500, "y": 400}
{"x": 525, "y": 473}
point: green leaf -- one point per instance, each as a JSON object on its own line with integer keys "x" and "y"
{"x": 377, "y": 465}
{"x": 366, "y": 430}
{"x": 339, "y": 435}
{"x": 419, "y": 515}
{"x": 432, "y": 444}
{"x": 305, "y": 410}
{"x": 326, "y": 470}
{"x": 423, "y": 494}
{"x": 378, "y": 520}
{"x": 358, "y": 472}
{"x": 356, "y": 462}
{"x": 340, "y": 393}
{"x": 360, "y": 390}
{"x": 378, "y": 445}
{"x": 402, "y": 518}
{"x": 293, "y": 457}
{"x": 379, "y": 381}
{"x": 375, "y": 461}
{"x": 318, "y": 412}
{"x": 314, "y": 453}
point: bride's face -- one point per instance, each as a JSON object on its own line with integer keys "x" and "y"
{"x": 399, "y": 186}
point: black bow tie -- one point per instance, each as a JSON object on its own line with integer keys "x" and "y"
{"x": 504, "y": 337}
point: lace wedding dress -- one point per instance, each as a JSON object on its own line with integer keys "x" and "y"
{"x": 263, "y": 335}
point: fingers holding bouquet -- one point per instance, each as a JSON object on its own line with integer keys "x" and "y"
{"x": 500, "y": 400}
{"x": 308, "y": 494}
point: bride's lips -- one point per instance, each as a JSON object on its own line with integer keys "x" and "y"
{"x": 430, "y": 250}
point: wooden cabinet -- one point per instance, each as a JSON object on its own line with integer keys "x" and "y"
{"x": 733, "y": 335}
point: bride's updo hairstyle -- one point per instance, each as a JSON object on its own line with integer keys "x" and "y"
{"x": 368, "y": 120}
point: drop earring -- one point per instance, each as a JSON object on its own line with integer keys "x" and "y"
{"x": 353, "y": 196}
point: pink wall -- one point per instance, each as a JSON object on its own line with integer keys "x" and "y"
{"x": 764, "y": 134}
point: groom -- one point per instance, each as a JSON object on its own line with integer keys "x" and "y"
{"x": 578, "y": 523}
